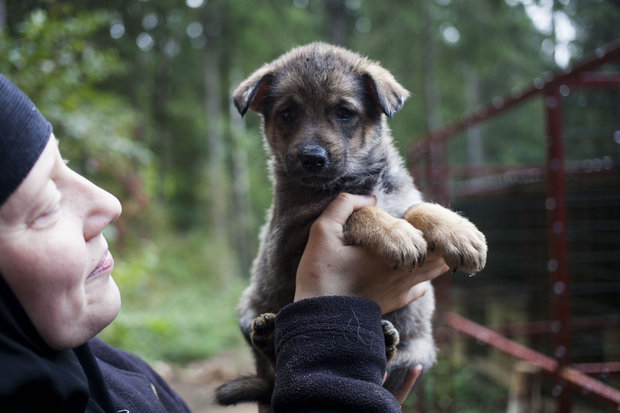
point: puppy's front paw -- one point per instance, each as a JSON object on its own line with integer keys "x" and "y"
{"x": 461, "y": 244}
{"x": 263, "y": 335}
{"x": 400, "y": 244}
{"x": 392, "y": 339}
{"x": 403, "y": 246}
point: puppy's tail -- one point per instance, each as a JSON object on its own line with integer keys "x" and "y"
{"x": 244, "y": 389}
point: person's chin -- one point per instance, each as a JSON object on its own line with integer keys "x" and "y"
{"x": 109, "y": 304}
{"x": 103, "y": 309}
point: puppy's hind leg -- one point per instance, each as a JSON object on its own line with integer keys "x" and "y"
{"x": 263, "y": 336}
{"x": 392, "y": 339}
{"x": 256, "y": 388}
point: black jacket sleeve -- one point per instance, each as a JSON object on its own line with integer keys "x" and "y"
{"x": 330, "y": 357}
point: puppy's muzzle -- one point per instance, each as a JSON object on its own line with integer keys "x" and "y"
{"x": 314, "y": 158}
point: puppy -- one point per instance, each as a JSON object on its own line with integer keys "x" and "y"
{"x": 324, "y": 110}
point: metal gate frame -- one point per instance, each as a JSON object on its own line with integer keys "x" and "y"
{"x": 427, "y": 158}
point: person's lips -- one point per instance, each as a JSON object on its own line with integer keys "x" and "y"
{"x": 105, "y": 265}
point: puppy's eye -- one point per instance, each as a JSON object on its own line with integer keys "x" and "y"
{"x": 287, "y": 115}
{"x": 344, "y": 114}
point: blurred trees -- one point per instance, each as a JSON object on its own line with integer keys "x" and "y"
{"x": 52, "y": 53}
{"x": 138, "y": 90}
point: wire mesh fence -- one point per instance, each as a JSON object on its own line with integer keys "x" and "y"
{"x": 539, "y": 174}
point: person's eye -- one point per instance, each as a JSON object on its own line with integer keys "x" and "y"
{"x": 48, "y": 215}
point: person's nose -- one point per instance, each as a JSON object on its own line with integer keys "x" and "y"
{"x": 101, "y": 208}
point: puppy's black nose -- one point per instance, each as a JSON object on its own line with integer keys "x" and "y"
{"x": 313, "y": 158}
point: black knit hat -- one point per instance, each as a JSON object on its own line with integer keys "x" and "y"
{"x": 24, "y": 132}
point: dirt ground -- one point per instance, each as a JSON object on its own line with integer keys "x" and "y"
{"x": 197, "y": 381}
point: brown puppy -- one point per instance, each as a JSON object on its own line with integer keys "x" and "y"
{"x": 324, "y": 111}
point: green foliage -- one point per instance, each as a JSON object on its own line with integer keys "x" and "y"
{"x": 138, "y": 91}
{"x": 55, "y": 47}
{"x": 497, "y": 45}
{"x": 596, "y": 23}
{"x": 54, "y": 57}
{"x": 179, "y": 293}
{"x": 451, "y": 386}
{"x": 139, "y": 96}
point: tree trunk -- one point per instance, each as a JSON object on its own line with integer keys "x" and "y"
{"x": 336, "y": 22}
{"x": 437, "y": 166}
{"x": 241, "y": 192}
{"x": 431, "y": 99}
{"x": 525, "y": 389}
{"x": 161, "y": 93}
{"x": 216, "y": 179}
{"x": 475, "y": 148}
{"x": 2, "y": 15}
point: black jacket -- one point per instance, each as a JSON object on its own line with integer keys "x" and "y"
{"x": 330, "y": 358}
{"x": 35, "y": 378}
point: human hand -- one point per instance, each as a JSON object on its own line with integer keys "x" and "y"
{"x": 412, "y": 377}
{"x": 329, "y": 267}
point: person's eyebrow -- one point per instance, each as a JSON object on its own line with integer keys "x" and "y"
{"x": 37, "y": 194}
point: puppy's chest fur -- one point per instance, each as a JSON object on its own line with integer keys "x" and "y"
{"x": 295, "y": 208}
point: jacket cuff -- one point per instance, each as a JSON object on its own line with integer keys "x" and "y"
{"x": 343, "y": 314}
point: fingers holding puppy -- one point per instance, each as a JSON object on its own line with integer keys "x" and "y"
{"x": 394, "y": 289}
{"x": 329, "y": 266}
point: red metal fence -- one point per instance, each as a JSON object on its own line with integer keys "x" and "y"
{"x": 429, "y": 163}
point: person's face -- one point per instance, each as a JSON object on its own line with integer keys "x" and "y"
{"x": 53, "y": 254}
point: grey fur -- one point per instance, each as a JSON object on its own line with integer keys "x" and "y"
{"x": 313, "y": 79}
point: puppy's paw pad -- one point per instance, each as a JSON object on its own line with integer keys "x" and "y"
{"x": 264, "y": 324}
{"x": 262, "y": 335}
{"x": 392, "y": 339}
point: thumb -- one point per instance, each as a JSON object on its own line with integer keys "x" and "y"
{"x": 344, "y": 204}
{"x": 410, "y": 380}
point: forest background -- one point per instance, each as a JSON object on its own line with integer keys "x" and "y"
{"x": 138, "y": 92}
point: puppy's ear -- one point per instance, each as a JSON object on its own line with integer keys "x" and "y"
{"x": 252, "y": 91}
{"x": 384, "y": 89}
